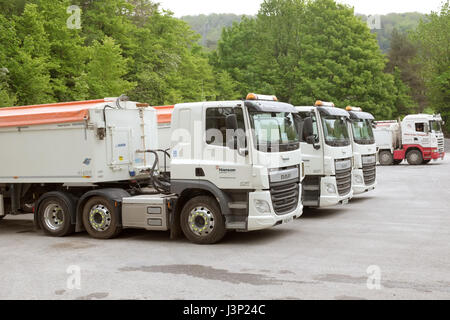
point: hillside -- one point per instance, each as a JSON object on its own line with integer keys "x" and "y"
{"x": 210, "y": 26}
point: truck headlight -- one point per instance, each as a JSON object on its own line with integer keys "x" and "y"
{"x": 262, "y": 206}
{"x": 331, "y": 189}
{"x": 359, "y": 179}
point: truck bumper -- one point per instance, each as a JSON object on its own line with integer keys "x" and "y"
{"x": 438, "y": 155}
{"x": 259, "y": 221}
{"x": 358, "y": 184}
{"x": 331, "y": 199}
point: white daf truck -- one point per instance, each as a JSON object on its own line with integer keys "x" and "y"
{"x": 94, "y": 166}
{"x": 327, "y": 154}
{"x": 364, "y": 150}
{"x": 418, "y": 139}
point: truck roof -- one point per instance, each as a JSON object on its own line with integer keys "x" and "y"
{"x": 361, "y": 115}
{"x": 76, "y": 111}
{"x": 423, "y": 116}
{"x": 331, "y": 111}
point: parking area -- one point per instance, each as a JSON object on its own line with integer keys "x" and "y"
{"x": 398, "y": 234}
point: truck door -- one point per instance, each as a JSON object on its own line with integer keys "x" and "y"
{"x": 312, "y": 155}
{"x": 225, "y": 166}
{"x": 421, "y": 134}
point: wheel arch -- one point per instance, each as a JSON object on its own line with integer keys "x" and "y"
{"x": 113, "y": 195}
{"x": 413, "y": 148}
{"x": 187, "y": 189}
{"x": 69, "y": 198}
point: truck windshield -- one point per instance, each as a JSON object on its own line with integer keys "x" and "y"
{"x": 335, "y": 131}
{"x": 362, "y": 132}
{"x": 274, "y": 132}
{"x": 436, "y": 126}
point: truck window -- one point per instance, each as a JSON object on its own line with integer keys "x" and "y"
{"x": 216, "y": 127}
{"x": 420, "y": 127}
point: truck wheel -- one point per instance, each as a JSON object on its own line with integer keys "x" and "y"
{"x": 414, "y": 158}
{"x": 426, "y": 161}
{"x": 100, "y": 220}
{"x": 202, "y": 221}
{"x": 1, "y": 218}
{"x": 397, "y": 162}
{"x": 55, "y": 215}
{"x": 386, "y": 158}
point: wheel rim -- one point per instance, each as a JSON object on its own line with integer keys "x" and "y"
{"x": 385, "y": 158}
{"x": 100, "y": 218}
{"x": 414, "y": 157}
{"x": 201, "y": 221}
{"x": 54, "y": 217}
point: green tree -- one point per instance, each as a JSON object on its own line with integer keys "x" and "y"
{"x": 433, "y": 40}
{"x": 106, "y": 69}
{"x": 66, "y": 49}
{"x": 29, "y": 63}
{"x": 403, "y": 65}
{"x": 308, "y": 50}
{"x": 7, "y": 97}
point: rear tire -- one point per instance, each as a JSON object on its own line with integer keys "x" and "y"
{"x": 55, "y": 215}
{"x": 100, "y": 219}
{"x": 414, "y": 157}
{"x": 202, "y": 221}
{"x": 386, "y": 158}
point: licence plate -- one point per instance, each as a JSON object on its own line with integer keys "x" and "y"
{"x": 288, "y": 220}
{"x": 345, "y": 202}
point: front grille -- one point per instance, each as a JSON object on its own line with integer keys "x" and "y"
{"x": 370, "y": 174}
{"x": 369, "y": 169}
{"x": 285, "y": 196}
{"x": 344, "y": 179}
{"x": 441, "y": 145}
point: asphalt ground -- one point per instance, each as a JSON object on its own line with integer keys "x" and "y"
{"x": 392, "y": 243}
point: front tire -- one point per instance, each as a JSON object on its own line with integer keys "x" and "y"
{"x": 414, "y": 158}
{"x": 100, "y": 219}
{"x": 386, "y": 158}
{"x": 202, "y": 221}
{"x": 55, "y": 215}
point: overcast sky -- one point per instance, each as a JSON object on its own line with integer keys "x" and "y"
{"x": 194, "y": 7}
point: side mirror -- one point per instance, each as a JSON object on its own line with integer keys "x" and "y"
{"x": 308, "y": 133}
{"x": 231, "y": 122}
{"x": 308, "y": 130}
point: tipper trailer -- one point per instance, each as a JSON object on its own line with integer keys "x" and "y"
{"x": 364, "y": 150}
{"x": 418, "y": 139}
{"x": 327, "y": 154}
{"x": 94, "y": 166}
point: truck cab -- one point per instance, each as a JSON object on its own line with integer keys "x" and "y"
{"x": 246, "y": 154}
{"x": 418, "y": 139}
{"x": 364, "y": 150}
{"x": 436, "y": 124}
{"x": 327, "y": 155}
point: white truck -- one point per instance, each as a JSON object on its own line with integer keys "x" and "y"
{"x": 364, "y": 150}
{"x": 327, "y": 154}
{"x": 418, "y": 139}
{"x": 94, "y": 166}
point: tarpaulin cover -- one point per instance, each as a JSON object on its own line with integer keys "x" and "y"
{"x": 46, "y": 113}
